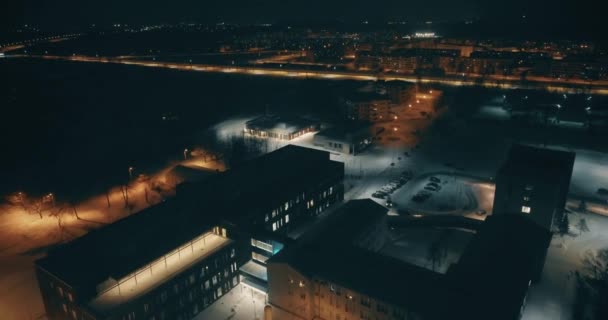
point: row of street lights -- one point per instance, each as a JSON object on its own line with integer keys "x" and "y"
{"x": 131, "y": 168}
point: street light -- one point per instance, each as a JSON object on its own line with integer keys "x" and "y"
{"x": 131, "y": 172}
{"x": 186, "y": 154}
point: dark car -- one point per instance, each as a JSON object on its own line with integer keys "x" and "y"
{"x": 431, "y": 188}
{"x": 433, "y": 184}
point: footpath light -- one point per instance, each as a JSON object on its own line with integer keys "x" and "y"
{"x": 186, "y": 154}
{"x": 131, "y": 172}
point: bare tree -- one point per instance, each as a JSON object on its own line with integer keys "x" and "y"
{"x": 593, "y": 280}
{"x": 108, "y": 197}
{"x": 582, "y": 226}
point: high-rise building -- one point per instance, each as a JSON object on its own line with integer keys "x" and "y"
{"x": 534, "y": 182}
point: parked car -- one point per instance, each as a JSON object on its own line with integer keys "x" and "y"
{"x": 434, "y": 179}
{"x": 431, "y": 188}
{"x": 379, "y": 195}
{"x": 389, "y": 203}
{"x": 433, "y": 184}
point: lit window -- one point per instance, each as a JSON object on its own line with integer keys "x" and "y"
{"x": 286, "y": 218}
{"x": 526, "y": 209}
{"x": 274, "y": 226}
{"x": 526, "y": 198}
{"x": 529, "y": 187}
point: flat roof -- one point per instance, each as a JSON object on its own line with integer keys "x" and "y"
{"x": 279, "y": 124}
{"x": 158, "y": 272}
{"x": 551, "y": 164}
{"x": 124, "y": 246}
{"x": 489, "y": 281}
{"x": 499, "y": 263}
{"x": 281, "y": 173}
{"x": 347, "y": 131}
{"x": 120, "y": 248}
{"x": 329, "y": 253}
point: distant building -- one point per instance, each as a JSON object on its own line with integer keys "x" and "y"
{"x": 351, "y": 138}
{"x": 336, "y": 272}
{"x": 280, "y": 127}
{"x": 534, "y": 182}
{"x": 172, "y": 260}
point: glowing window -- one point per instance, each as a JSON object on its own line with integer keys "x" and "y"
{"x": 526, "y": 209}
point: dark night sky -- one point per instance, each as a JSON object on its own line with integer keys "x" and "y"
{"x": 74, "y": 13}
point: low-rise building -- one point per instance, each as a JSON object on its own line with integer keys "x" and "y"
{"x": 172, "y": 260}
{"x": 337, "y": 272}
{"x": 280, "y": 127}
{"x": 350, "y": 138}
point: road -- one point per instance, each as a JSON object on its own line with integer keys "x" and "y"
{"x": 500, "y": 82}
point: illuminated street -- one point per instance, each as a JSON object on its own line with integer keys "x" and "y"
{"x": 327, "y": 160}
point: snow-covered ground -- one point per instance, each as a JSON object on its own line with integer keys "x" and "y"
{"x": 413, "y": 245}
{"x": 25, "y": 235}
{"x": 553, "y": 297}
{"x": 240, "y": 303}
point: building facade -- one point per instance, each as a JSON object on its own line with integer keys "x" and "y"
{"x": 174, "y": 259}
{"x": 534, "y": 182}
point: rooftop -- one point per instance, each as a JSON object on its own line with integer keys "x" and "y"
{"x": 116, "y": 250}
{"x": 158, "y": 272}
{"x": 490, "y": 279}
{"x": 279, "y": 124}
{"x": 500, "y": 262}
{"x": 387, "y": 278}
{"x": 347, "y": 131}
{"x": 531, "y": 161}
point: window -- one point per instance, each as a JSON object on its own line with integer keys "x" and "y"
{"x": 262, "y": 245}
{"x": 526, "y": 198}
{"x": 70, "y": 297}
{"x": 529, "y": 187}
{"x": 286, "y": 218}
{"x": 274, "y": 226}
{"x": 366, "y": 301}
{"x": 382, "y": 308}
{"x": 259, "y": 257}
{"x": 526, "y": 209}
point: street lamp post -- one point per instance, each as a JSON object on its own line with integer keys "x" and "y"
{"x": 52, "y": 197}
{"x": 131, "y": 173}
{"x": 186, "y": 154}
